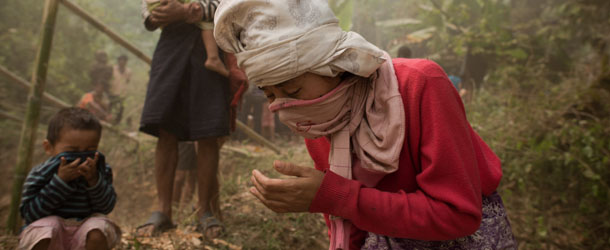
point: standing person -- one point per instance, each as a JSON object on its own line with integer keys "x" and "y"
{"x": 184, "y": 102}
{"x": 100, "y": 70}
{"x": 66, "y": 199}
{"x": 121, "y": 76}
{"x": 400, "y": 166}
{"x": 253, "y": 103}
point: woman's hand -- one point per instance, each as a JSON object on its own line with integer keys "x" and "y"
{"x": 287, "y": 195}
{"x": 171, "y": 11}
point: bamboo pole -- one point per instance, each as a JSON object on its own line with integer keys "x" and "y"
{"x": 30, "y": 125}
{"x": 106, "y": 30}
{"x": 26, "y": 85}
{"x": 59, "y": 103}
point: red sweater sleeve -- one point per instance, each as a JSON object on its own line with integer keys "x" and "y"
{"x": 445, "y": 202}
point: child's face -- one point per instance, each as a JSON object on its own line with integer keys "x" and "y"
{"x": 73, "y": 140}
{"x": 122, "y": 62}
{"x": 98, "y": 89}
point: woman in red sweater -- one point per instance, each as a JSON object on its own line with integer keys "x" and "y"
{"x": 400, "y": 166}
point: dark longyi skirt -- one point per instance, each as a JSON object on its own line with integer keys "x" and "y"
{"x": 494, "y": 233}
{"x": 183, "y": 97}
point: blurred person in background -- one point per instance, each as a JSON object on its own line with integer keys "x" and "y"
{"x": 186, "y": 174}
{"x": 97, "y": 102}
{"x": 404, "y": 52}
{"x": 101, "y": 70}
{"x": 121, "y": 76}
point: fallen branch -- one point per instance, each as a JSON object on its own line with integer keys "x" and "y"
{"x": 227, "y": 244}
{"x": 255, "y": 136}
{"x": 239, "y": 151}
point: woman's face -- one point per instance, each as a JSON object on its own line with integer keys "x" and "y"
{"x": 305, "y": 87}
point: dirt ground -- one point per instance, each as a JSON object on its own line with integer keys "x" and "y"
{"x": 248, "y": 224}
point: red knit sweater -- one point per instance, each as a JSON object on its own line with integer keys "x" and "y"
{"x": 445, "y": 168}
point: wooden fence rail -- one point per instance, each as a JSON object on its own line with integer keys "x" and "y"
{"x": 59, "y": 103}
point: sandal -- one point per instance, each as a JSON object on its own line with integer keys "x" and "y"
{"x": 159, "y": 221}
{"x": 207, "y": 221}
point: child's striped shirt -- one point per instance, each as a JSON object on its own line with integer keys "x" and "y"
{"x": 45, "y": 194}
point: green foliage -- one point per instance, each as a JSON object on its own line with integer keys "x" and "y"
{"x": 555, "y": 160}
{"x": 343, "y": 10}
{"x": 548, "y": 119}
{"x": 537, "y": 74}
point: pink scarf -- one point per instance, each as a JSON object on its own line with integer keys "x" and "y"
{"x": 362, "y": 116}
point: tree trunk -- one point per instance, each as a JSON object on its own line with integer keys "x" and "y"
{"x": 30, "y": 125}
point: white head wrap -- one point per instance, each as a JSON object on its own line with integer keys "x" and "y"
{"x": 278, "y": 40}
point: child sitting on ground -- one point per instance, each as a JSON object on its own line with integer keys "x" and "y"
{"x": 65, "y": 199}
{"x": 212, "y": 61}
{"x": 97, "y": 102}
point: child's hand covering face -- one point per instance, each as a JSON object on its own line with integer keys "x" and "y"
{"x": 76, "y": 164}
{"x": 89, "y": 170}
{"x": 68, "y": 172}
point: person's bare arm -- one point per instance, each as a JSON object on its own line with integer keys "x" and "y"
{"x": 128, "y": 76}
{"x": 171, "y": 11}
{"x": 145, "y": 15}
{"x": 99, "y": 110}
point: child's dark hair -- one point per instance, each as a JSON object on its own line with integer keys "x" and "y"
{"x": 404, "y": 52}
{"x": 74, "y": 118}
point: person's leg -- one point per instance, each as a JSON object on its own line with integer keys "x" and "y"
{"x": 42, "y": 245}
{"x": 178, "y": 186}
{"x": 96, "y": 232}
{"x": 265, "y": 132}
{"x": 271, "y": 133}
{"x": 187, "y": 163}
{"x": 189, "y": 186}
{"x": 273, "y": 125}
{"x": 207, "y": 172}
{"x": 45, "y": 233}
{"x": 119, "y": 113}
{"x": 213, "y": 61}
{"x": 166, "y": 160}
{"x": 96, "y": 240}
{"x": 257, "y": 114}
